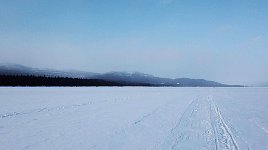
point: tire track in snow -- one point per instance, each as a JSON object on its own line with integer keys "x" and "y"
{"x": 224, "y": 137}
{"x": 241, "y": 141}
{"x": 201, "y": 127}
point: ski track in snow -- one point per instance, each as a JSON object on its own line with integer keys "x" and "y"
{"x": 146, "y": 116}
{"x": 260, "y": 126}
{"x": 45, "y": 109}
{"x": 201, "y": 127}
{"x": 13, "y": 114}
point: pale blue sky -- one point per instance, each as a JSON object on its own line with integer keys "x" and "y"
{"x": 225, "y": 40}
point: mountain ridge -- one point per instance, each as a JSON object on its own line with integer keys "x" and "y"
{"x": 115, "y": 76}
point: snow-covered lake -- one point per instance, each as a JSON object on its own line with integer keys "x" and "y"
{"x": 126, "y": 118}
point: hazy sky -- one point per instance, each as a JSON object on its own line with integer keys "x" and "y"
{"x": 221, "y": 40}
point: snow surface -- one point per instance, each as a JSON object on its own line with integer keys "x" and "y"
{"x": 126, "y": 118}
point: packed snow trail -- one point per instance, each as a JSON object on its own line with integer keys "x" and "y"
{"x": 201, "y": 127}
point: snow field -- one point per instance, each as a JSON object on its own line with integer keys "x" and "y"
{"x": 133, "y": 118}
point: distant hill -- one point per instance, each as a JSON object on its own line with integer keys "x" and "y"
{"x": 145, "y": 78}
{"x": 264, "y": 84}
{"x": 120, "y": 78}
{"x": 14, "y": 69}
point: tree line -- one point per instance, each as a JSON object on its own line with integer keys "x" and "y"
{"x": 30, "y": 80}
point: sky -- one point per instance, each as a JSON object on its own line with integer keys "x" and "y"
{"x": 224, "y": 41}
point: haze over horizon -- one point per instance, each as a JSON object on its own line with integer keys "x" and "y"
{"x": 224, "y": 41}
